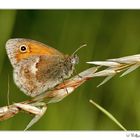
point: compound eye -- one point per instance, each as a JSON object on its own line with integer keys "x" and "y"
{"x": 23, "y": 48}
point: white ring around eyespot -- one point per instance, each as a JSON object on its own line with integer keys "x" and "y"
{"x": 23, "y": 51}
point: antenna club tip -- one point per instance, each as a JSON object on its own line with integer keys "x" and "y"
{"x": 84, "y": 45}
{"x": 79, "y": 48}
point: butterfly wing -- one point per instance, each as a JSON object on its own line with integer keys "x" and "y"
{"x": 37, "y": 69}
{"x": 34, "y": 48}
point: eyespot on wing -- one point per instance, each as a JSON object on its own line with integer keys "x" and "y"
{"x": 35, "y": 48}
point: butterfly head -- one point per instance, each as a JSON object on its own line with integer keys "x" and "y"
{"x": 74, "y": 58}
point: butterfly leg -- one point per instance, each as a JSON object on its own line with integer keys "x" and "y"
{"x": 64, "y": 84}
{"x": 77, "y": 74}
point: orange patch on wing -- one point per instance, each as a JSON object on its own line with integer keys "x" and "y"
{"x": 37, "y": 49}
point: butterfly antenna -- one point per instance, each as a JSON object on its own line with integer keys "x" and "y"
{"x": 84, "y": 45}
{"x": 8, "y": 89}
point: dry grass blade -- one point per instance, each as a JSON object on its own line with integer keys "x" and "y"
{"x": 7, "y": 112}
{"x": 117, "y": 65}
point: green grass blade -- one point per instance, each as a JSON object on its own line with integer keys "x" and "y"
{"x": 108, "y": 114}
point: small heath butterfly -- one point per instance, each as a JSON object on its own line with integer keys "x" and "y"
{"x": 38, "y": 67}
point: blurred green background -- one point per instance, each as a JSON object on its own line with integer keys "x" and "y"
{"x": 108, "y": 34}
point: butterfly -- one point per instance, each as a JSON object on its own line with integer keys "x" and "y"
{"x": 37, "y": 67}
